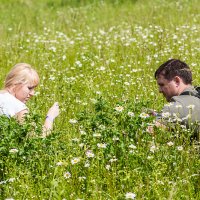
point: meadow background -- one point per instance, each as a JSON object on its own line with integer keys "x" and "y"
{"x": 97, "y": 59}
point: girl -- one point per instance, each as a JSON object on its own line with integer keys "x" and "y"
{"x": 19, "y": 87}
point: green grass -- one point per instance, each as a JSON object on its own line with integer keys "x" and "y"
{"x": 93, "y": 56}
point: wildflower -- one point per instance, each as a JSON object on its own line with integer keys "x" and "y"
{"x": 52, "y": 78}
{"x": 160, "y": 182}
{"x": 94, "y": 101}
{"x": 102, "y": 68}
{"x": 2, "y": 182}
{"x": 82, "y": 132}
{"x": 119, "y": 108}
{"x": 75, "y": 140}
{"x": 179, "y": 148}
{"x": 194, "y": 175}
{"x": 149, "y": 157}
{"x": 170, "y": 143}
{"x": 101, "y": 145}
{"x": 78, "y": 63}
{"x": 81, "y": 178}
{"x": 176, "y": 118}
{"x": 13, "y": 150}
{"x": 67, "y": 175}
{"x": 102, "y": 127}
{"x": 153, "y": 148}
{"x": 64, "y": 57}
{"x": 166, "y": 114}
{"x": 131, "y": 114}
{"x": 193, "y": 64}
{"x": 89, "y": 154}
{"x": 183, "y": 126}
{"x": 96, "y": 135}
{"x": 92, "y": 64}
{"x": 71, "y": 42}
{"x": 144, "y": 115}
{"x": 150, "y": 129}
{"x": 175, "y": 37}
{"x": 53, "y": 49}
{"x": 102, "y": 32}
{"x": 11, "y": 180}
{"x": 115, "y": 138}
{"x": 130, "y": 195}
{"x": 87, "y": 164}
{"x": 108, "y": 167}
{"x": 132, "y": 146}
{"x": 73, "y": 121}
{"x": 113, "y": 160}
{"x": 75, "y": 161}
{"x": 98, "y": 92}
{"x": 36, "y": 93}
{"x": 59, "y": 163}
{"x": 81, "y": 145}
{"x": 126, "y": 83}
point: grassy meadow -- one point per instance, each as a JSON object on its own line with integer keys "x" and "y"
{"x": 97, "y": 59}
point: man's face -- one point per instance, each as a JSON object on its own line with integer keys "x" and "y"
{"x": 167, "y": 88}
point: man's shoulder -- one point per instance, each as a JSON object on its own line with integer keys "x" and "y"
{"x": 185, "y": 99}
{"x": 183, "y": 105}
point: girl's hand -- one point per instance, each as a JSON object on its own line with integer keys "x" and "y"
{"x": 53, "y": 111}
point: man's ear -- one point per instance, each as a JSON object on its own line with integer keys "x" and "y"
{"x": 177, "y": 80}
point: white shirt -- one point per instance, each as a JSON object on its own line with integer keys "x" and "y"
{"x": 9, "y": 105}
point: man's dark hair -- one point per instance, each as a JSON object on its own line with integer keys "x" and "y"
{"x": 174, "y": 67}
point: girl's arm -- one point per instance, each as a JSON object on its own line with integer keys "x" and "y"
{"x": 48, "y": 124}
{"x": 20, "y": 115}
{"x": 51, "y": 115}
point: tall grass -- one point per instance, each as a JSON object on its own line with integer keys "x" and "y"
{"x": 97, "y": 59}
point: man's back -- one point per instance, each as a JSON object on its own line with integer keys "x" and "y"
{"x": 184, "y": 109}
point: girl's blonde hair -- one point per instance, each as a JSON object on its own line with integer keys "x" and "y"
{"x": 21, "y": 73}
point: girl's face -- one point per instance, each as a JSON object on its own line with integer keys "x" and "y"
{"x": 24, "y": 92}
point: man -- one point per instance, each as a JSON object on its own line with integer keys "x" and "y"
{"x": 174, "y": 79}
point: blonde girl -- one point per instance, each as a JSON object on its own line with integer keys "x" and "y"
{"x": 19, "y": 87}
